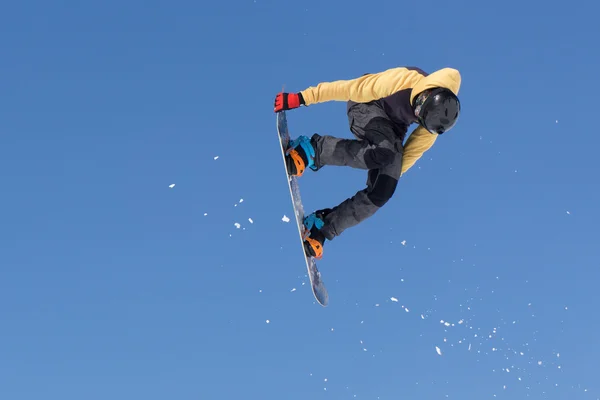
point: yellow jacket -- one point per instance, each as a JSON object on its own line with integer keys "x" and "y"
{"x": 387, "y": 85}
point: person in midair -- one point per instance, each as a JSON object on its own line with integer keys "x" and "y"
{"x": 380, "y": 108}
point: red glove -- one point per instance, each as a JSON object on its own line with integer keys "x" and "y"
{"x": 288, "y": 101}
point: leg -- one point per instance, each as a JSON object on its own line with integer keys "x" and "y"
{"x": 378, "y": 149}
{"x": 381, "y": 185}
{"x": 377, "y": 140}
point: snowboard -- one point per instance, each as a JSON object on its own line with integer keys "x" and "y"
{"x": 316, "y": 283}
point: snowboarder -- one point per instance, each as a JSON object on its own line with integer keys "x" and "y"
{"x": 380, "y": 109}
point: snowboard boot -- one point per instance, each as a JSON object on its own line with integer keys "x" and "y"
{"x": 300, "y": 155}
{"x": 314, "y": 239}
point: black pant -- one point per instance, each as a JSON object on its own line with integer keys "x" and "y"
{"x": 378, "y": 149}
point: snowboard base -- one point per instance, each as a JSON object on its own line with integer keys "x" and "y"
{"x": 318, "y": 288}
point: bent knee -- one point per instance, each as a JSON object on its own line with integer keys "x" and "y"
{"x": 382, "y": 190}
{"x": 379, "y": 157}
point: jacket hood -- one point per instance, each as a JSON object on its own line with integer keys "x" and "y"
{"x": 448, "y": 78}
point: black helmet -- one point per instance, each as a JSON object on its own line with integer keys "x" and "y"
{"x": 437, "y": 109}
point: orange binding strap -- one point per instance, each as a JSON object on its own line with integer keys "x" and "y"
{"x": 298, "y": 161}
{"x": 316, "y": 246}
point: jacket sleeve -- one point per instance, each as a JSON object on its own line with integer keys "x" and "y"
{"x": 363, "y": 89}
{"x": 416, "y": 145}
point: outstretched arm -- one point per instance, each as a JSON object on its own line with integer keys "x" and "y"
{"x": 364, "y": 89}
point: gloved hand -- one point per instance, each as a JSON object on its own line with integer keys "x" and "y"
{"x": 288, "y": 101}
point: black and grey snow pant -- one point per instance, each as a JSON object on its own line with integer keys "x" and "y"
{"x": 377, "y": 148}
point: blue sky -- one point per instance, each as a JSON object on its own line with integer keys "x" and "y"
{"x": 113, "y": 285}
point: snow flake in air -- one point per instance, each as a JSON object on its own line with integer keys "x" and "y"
{"x": 268, "y": 322}
{"x": 438, "y": 350}
{"x": 250, "y": 219}
{"x": 394, "y": 299}
{"x": 285, "y": 219}
{"x": 215, "y": 157}
{"x": 172, "y": 185}
{"x": 403, "y": 242}
{"x": 237, "y": 225}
